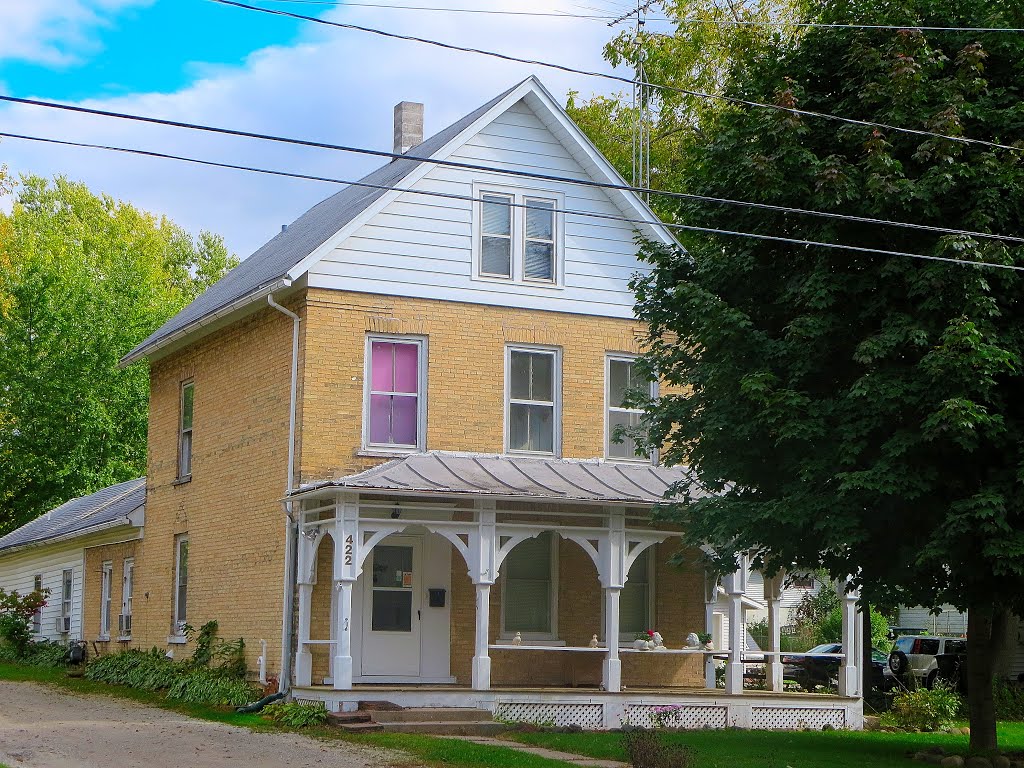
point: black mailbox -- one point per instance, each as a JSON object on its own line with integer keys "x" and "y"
{"x": 436, "y": 597}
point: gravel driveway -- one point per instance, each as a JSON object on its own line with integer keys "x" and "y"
{"x": 43, "y": 727}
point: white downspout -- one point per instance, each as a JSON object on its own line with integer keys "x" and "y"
{"x": 291, "y": 525}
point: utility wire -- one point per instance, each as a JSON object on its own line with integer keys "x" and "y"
{"x": 470, "y": 198}
{"x": 685, "y": 20}
{"x": 620, "y": 78}
{"x": 507, "y": 172}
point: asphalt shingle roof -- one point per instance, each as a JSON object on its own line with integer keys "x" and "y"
{"x": 273, "y": 260}
{"x": 81, "y": 515}
{"x": 589, "y": 480}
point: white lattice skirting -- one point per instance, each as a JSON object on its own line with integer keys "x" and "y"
{"x": 796, "y": 718}
{"x": 677, "y": 716}
{"x": 586, "y": 716}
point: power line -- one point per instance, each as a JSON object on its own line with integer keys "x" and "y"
{"x": 489, "y": 169}
{"x": 828, "y": 25}
{"x": 482, "y": 11}
{"x": 470, "y": 198}
{"x": 620, "y": 78}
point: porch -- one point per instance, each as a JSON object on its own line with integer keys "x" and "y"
{"x": 421, "y": 555}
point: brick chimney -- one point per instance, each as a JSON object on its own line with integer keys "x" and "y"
{"x": 408, "y": 126}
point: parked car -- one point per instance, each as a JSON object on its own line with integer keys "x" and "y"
{"x": 914, "y": 655}
{"x": 813, "y": 669}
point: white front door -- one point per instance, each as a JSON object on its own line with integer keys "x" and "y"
{"x": 391, "y": 609}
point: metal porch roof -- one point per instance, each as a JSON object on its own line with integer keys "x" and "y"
{"x": 578, "y": 480}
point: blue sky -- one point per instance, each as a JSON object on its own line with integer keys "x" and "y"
{"x": 196, "y": 61}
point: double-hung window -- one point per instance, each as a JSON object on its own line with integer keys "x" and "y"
{"x": 518, "y": 236}
{"x": 105, "y": 587}
{"x": 395, "y": 410}
{"x": 622, "y": 377}
{"x": 37, "y": 617}
{"x": 67, "y": 584}
{"x": 528, "y": 595}
{"x": 180, "y": 584}
{"x": 635, "y": 614}
{"x": 533, "y": 380}
{"x": 188, "y": 391}
{"x": 127, "y": 592}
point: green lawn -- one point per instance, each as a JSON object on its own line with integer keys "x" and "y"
{"x": 783, "y": 749}
{"x": 452, "y": 753}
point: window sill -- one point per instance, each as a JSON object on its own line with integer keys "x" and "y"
{"x": 182, "y": 481}
{"x": 387, "y": 452}
{"x": 532, "y": 641}
{"x": 124, "y": 638}
{"x": 103, "y": 639}
{"x": 176, "y": 640}
{"x": 544, "y": 284}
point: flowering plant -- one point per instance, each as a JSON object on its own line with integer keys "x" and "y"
{"x": 647, "y": 634}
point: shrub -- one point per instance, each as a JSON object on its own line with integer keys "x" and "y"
{"x": 923, "y": 709}
{"x": 651, "y": 749}
{"x": 296, "y": 714}
{"x": 227, "y": 656}
{"x": 16, "y": 612}
{"x": 1009, "y": 700}
{"x": 45, "y": 654}
{"x": 205, "y": 686}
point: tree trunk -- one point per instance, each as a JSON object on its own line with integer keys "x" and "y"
{"x": 985, "y": 626}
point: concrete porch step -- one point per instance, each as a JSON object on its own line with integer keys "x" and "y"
{"x": 433, "y": 715}
{"x": 348, "y": 718}
{"x": 361, "y": 727}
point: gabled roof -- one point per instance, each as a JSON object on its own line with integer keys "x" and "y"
{"x": 442, "y": 473}
{"x": 104, "y": 509}
{"x": 287, "y": 256}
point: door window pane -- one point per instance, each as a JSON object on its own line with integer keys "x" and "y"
{"x": 389, "y": 565}
{"x": 392, "y": 611}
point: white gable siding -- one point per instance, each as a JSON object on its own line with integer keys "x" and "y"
{"x": 422, "y": 246}
{"x": 19, "y": 569}
{"x": 949, "y": 622}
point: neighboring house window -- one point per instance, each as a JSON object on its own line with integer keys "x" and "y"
{"x": 180, "y": 584}
{"x": 635, "y": 598}
{"x": 108, "y": 575}
{"x": 518, "y": 236}
{"x": 395, "y": 416}
{"x": 621, "y": 377}
{"x": 37, "y": 617}
{"x": 532, "y": 396}
{"x": 528, "y": 595}
{"x": 127, "y": 592}
{"x": 67, "y": 584}
{"x": 802, "y": 581}
{"x": 188, "y": 392}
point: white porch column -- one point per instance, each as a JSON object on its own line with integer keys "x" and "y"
{"x": 849, "y": 671}
{"x": 303, "y": 658}
{"x": 710, "y": 598}
{"x": 613, "y": 580}
{"x": 773, "y": 596}
{"x": 347, "y": 560}
{"x": 483, "y": 573}
{"x": 735, "y": 586}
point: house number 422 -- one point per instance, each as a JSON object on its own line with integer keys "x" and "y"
{"x": 348, "y": 550}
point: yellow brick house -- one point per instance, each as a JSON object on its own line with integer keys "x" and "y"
{"x": 380, "y": 449}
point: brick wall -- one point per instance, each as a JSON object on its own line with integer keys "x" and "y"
{"x": 92, "y": 586}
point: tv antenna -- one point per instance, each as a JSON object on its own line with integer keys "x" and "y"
{"x": 640, "y": 132}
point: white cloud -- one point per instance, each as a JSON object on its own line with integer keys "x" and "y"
{"x": 53, "y": 32}
{"x": 333, "y": 85}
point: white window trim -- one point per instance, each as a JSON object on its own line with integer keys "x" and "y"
{"x": 187, "y": 383}
{"x": 536, "y": 638}
{"x": 623, "y": 357}
{"x": 127, "y": 591}
{"x": 556, "y": 373}
{"x": 178, "y": 627}
{"x": 421, "y": 396}
{"x": 106, "y": 590}
{"x": 519, "y": 196}
{"x": 37, "y": 617}
{"x": 67, "y": 599}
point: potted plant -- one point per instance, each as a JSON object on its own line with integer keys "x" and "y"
{"x": 644, "y": 640}
{"x": 706, "y": 640}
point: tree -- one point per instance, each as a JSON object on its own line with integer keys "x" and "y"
{"x": 858, "y": 412}
{"x": 84, "y": 278}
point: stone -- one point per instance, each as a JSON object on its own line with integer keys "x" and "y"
{"x": 952, "y": 761}
{"x": 977, "y": 761}
{"x": 1000, "y": 761}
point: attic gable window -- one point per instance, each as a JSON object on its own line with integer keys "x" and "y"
{"x": 518, "y": 236}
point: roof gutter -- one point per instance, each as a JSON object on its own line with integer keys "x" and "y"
{"x": 147, "y": 349}
{"x": 115, "y": 523}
